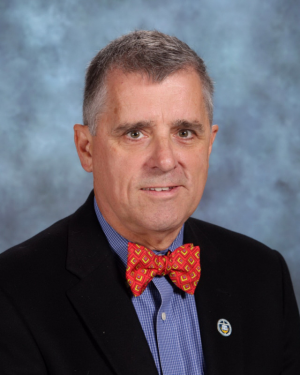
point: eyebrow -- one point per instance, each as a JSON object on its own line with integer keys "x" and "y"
{"x": 193, "y": 125}
{"x": 128, "y": 127}
{"x": 140, "y": 125}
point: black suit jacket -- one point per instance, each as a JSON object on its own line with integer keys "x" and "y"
{"x": 65, "y": 308}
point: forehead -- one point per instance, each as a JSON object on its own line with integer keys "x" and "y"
{"x": 135, "y": 97}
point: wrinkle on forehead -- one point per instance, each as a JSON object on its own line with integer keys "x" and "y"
{"x": 156, "y": 101}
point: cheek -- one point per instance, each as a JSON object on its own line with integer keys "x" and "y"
{"x": 104, "y": 168}
{"x": 196, "y": 162}
{"x": 115, "y": 170}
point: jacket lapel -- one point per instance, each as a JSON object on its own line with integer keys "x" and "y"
{"x": 216, "y": 299}
{"x": 102, "y": 299}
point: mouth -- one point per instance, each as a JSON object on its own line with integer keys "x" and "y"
{"x": 167, "y": 188}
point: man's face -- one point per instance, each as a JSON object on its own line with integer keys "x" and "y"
{"x": 151, "y": 152}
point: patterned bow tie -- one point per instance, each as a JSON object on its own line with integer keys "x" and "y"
{"x": 182, "y": 266}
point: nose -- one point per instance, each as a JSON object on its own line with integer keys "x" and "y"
{"x": 162, "y": 155}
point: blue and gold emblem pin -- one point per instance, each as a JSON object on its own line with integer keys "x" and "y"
{"x": 224, "y": 327}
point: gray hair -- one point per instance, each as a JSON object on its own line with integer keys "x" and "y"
{"x": 150, "y": 52}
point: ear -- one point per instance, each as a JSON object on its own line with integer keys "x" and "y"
{"x": 213, "y": 133}
{"x": 83, "y": 142}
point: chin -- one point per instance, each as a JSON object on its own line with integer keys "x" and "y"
{"x": 163, "y": 223}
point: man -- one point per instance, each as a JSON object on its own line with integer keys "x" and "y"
{"x": 71, "y": 304}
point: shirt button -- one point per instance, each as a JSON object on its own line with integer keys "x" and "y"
{"x": 163, "y": 316}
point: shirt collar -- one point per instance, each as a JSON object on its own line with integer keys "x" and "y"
{"x": 119, "y": 244}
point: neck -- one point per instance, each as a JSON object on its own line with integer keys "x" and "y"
{"x": 151, "y": 238}
{"x": 153, "y": 241}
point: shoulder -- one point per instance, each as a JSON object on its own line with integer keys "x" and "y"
{"x": 49, "y": 237}
{"x": 237, "y": 247}
{"x": 43, "y": 253}
{"x": 254, "y": 271}
{"x": 223, "y": 236}
{"x": 41, "y": 260}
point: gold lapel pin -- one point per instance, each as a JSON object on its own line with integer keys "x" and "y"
{"x": 224, "y": 327}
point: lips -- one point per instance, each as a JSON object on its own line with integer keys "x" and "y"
{"x": 168, "y": 188}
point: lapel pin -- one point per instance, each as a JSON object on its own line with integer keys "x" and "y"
{"x": 224, "y": 327}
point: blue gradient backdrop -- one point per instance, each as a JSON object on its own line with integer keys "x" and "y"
{"x": 252, "y": 52}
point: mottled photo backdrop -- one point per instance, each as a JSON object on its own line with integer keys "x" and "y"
{"x": 252, "y": 50}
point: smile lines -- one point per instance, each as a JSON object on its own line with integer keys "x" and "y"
{"x": 160, "y": 188}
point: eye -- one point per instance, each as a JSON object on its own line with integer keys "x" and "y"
{"x": 135, "y": 134}
{"x": 184, "y": 133}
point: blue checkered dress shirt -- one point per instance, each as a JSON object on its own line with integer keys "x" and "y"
{"x": 167, "y": 315}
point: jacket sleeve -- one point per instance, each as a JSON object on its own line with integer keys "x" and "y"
{"x": 291, "y": 325}
{"x": 19, "y": 353}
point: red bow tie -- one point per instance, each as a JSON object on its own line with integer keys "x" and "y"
{"x": 182, "y": 266}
